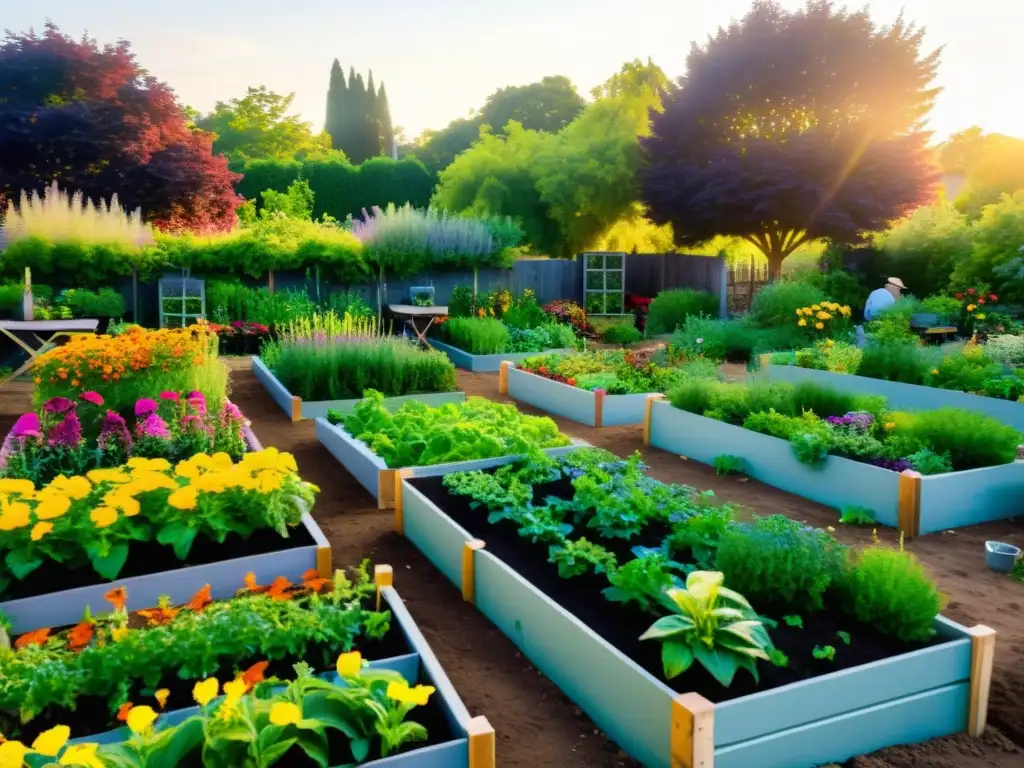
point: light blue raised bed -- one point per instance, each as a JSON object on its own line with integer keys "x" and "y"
{"x": 913, "y": 697}
{"x": 374, "y": 474}
{"x": 487, "y": 363}
{"x": 903, "y": 397}
{"x": 595, "y": 409}
{"x": 472, "y": 745}
{"x": 298, "y": 409}
{"x": 915, "y": 504}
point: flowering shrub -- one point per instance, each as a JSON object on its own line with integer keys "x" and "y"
{"x": 61, "y": 439}
{"x": 824, "y": 319}
{"x": 616, "y": 372}
{"x": 312, "y": 620}
{"x": 92, "y": 519}
{"x": 240, "y": 337}
{"x": 570, "y": 312}
{"x": 974, "y": 310}
{"x": 124, "y": 368}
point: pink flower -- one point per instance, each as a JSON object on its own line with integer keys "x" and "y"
{"x": 230, "y": 414}
{"x": 27, "y": 425}
{"x": 172, "y": 396}
{"x": 145, "y": 406}
{"x": 68, "y": 432}
{"x": 114, "y": 432}
{"x": 58, "y": 405}
{"x": 92, "y": 397}
{"x": 153, "y": 426}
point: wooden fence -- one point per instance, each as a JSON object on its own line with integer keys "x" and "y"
{"x": 743, "y": 281}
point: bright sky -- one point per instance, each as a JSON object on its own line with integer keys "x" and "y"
{"x": 441, "y": 59}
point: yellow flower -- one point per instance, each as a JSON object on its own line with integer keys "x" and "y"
{"x": 118, "y": 475}
{"x": 76, "y": 487}
{"x": 285, "y": 713}
{"x": 889, "y": 426}
{"x": 184, "y": 498}
{"x": 40, "y": 529}
{"x": 824, "y": 316}
{"x": 802, "y": 323}
{"x": 141, "y": 719}
{"x": 212, "y": 482}
{"x": 12, "y": 753}
{"x": 13, "y": 515}
{"x": 51, "y": 505}
{"x": 816, "y": 307}
{"x": 819, "y": 325}
{"x": 844, "y": 311}
{"x": 980, "y": 316}
{"x": 269, "y": 481}
{"x": 119, "y": 499}
{"x": 82, "y": 755}
{"x": 50, "y": 742}
{"x": 144, "y": 481}
{"x": 118, "y": 633}
{"x": 150, "y": 465}
{"x": 103, "y": 517}
{"x": 403, "y": 693}
{"x": 234, "y": 691}
{"x": 800, "y": 311}
{"x": 16, "y": 486}
{"x": 349, "y": 664}
{"x": 220, "y": 462}
{"x": 188, "y": 470}
{"x": 830, "y": 343}
{"x": 935, "y": 371}
{"x": 206, "y": 691}
{"x": 161, "y": 697}
{"x": 971, "y": 307}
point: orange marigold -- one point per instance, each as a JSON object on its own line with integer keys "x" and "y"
{"x": 123, "y": 710}
{"x": 311, "y": 580}
{"x": 251, "y": 585}
{"x": 278, "y": 589}
{"x": 200, "y": 599}
{"x": 36, "y": 637}
{"x": 158, "y": 616}
{"x": 117, "y": 598}
{"x": 80, "y": 635}
{"x": 254, "y": 674}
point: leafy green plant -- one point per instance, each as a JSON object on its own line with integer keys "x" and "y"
{"x": 670, "y": 309}
{"x": 968, "y": 438}
{"x": 824, "y": 653}
{"x": 856, "y": 515}
{"x": 487, "y": 490}
{"x": 776, "y": 303}
{"x": 844, "y": 636}
{"x": 576, "y": 558}
{"x": 792, "y": 620}
{"x": 728, "y": 465}
{"x": 643, "y": 581}
{"x": 928, "y": 462}
{"x": 418, "y": 435}
{"x": 713, "y": 626}
{"x": 477, "y": 335}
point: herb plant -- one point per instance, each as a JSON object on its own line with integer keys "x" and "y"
{"x": 576, "y": 558}
{"x": 824, "y": 653}
{"x": 728, "y": 465}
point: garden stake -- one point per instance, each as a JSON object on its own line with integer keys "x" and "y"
{"x": 983, "y": 653}
{"x": 468, "y": 571}
{"x": 383, "y": 576}
{"x": 481, "y": 743}
{"x": 400, "y": 475}
{"x": 693, "y": 732}
{"x": 503, "y": 376}
{"x": 909, "y": 505}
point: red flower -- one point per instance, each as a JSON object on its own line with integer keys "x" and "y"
{"x": 981, "y": 301}
{"x": 970, "y": 291}
{"x": 960, "y": 296}
{"x": 993, "y": 297}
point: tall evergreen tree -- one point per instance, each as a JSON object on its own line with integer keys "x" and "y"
{"x": 354, "y": 118}
{"x": 387, "y": 129}
{"x": 337, "y": 103}
{"x": 371, "y": 122}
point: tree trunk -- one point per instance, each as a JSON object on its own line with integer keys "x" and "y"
{"x": 775, "y": 259}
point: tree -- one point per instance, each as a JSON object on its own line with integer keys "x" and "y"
{"x": 94, "y": 121}
{"x": 337, "y": 101}
{"x": 386, "y": 129}
{"x": 791, "y": 127}
{"x": 992, "y": 163}
{"x": 371, "y": 122}
{"x": 358, "y": 116}
{"x": 548, "y": 106}
{"x": 258, "y": 127}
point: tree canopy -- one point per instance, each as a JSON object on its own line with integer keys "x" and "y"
{"x": 93, "y": 120}
{"x": 992, "y": 164}
{"x": 358, "y": 116}
{"x": 548, "y": 106}
{"x": 259, "y": 127}
{"x": 794, "y": 126}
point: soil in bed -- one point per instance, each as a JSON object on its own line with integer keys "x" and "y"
{"x": 622, "y": 625}
{"x": 146, "y": 558}
{"x": 92, "y": 715}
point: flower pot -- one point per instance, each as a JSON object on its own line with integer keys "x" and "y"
{"x": 1001, "y": 557}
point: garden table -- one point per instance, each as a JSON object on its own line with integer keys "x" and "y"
{"x": 44, "y": 334}
{"x": 411, "y": 313}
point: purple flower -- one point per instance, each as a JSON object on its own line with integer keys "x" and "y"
{"x": 145, "y": 407}
{"x": 27, "y": 425}
{"x": 114, "y": 432}
{"x": 895, "y": 465}
{"x": 92, "y": 397}
{"x": 172, "y": 396}
{"x": 68, "y": 432}
{"x": 153, "y": 426}
{"x": 58, "y": 405}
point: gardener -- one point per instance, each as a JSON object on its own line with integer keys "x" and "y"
{"x": 883, "y": 298}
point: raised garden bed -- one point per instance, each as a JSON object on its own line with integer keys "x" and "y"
{"x": 297, "y": 409}
{"x": 373, "y": 472}
{"x": 595, "y": 409}
{"x": 909, "y": 397}
{"x": 881, "y": 696}
{"x": 453, "y": 738}
{"x": 484, "y": 363}
{"x": 905, "y": 500}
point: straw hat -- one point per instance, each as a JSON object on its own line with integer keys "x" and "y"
{"x": 897, "y": 282}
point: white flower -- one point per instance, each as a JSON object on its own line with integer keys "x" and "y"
{"x": 700, "y": 341}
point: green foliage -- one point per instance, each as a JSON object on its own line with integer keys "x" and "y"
{"x": 617, "y": 372}
{"x": 927, "y": 245}
{"x": 713, "y": 626}
{"x": 418, "y": 435}
{"x": 891, "y": 591}
{"x": 853, "y": 514}
{"x": 728, "y": 465}
{"x": 1006, "y": 349}
{"x": 969, "y": 439}
{"x": 824, "y": 653}
{"x": 477, "y": 335}
{"x": 580, "y": 557}
{"x": 734, "y": 341}
{"x": 616, "y": 330}
{"x": 341, "y": 189}
{"x": 781, "y": 564}
{"x": 671, "y": 309}
{"x": 295, "y": 203}
{"x": 488, "y": 490}
{"x": 776, "y": 303}
{"x": 105, "y": 303}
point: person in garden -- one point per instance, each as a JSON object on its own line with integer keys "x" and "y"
{"x": 883, "y": 298}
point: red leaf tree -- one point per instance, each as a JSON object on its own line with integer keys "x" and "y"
{"x": 92, "y": 119}
{"x": 791, "y": 127}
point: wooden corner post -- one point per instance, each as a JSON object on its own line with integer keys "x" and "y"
{"x": 325, "y": 562}
{"x": 469, "y": 569}
{"x": 599, "y": 396}
{"x": 400, "y": 475}
{"x": 648, "y": 414}
{"x": 983, "y": 653}
{"x": 764, "y": 361}
{"x": 503, "y": 376}
{"x": 383, "y": 576}
{"x": 909, "y": 509}
{"x": 482, "y": 746}
{"x": 693, "y": 732}
{"x": 296, "y": 408}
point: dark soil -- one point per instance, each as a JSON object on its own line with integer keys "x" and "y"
{"x": 622, "y": 625}
{"x": 145, "y": 558}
